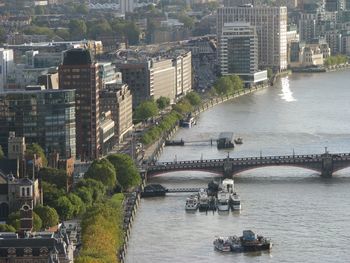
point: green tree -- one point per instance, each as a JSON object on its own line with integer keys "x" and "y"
{"x": 97, "y": 188}
{"x": 77, "y": 28}
{"x": 39, "y": 30}
{"x": 64, "y": 208}
{"x": 36, "y": 149}
{"x": 146, "y": 110}
{"x": 194, "y": 98}
{"x": 223, "y": 86}
{"x": 7, "y": 228}
{"x": 269, "y": 73}
{"x": 98, "y": 27}
{"x": 85, "y": 195}
{"x": 127, "y": 173}
{"x": 51, "y": 193}
{"x": 132, "y": 32}
{"x": 183, "y": 107}
{"x": 163, "y": 102}
{"x": 103, "y": 171}
{"x": 14, "y": 221}
{"x": 236, "y": 82}
{"x": 2, "y": 35}
{"x": 48, "y": 215}
{"x": 54, "y": 176}
{"x": 63, "y": 33}
{"x": 2, "y": 155}
{"x": 81, "y": 9}
{"x": 79, "y": 206}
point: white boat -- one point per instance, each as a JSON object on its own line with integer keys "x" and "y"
{"x": 192, "y": 203}
{"x": 203, "y": 199}
{"x": 228, "y": 185}
{"x": 223, "y": 201}
{"x": 235, "y": 202}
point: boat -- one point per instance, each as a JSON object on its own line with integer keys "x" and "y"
{"x": 228, "y": 185}
{"x": 191, "y": 203}
{"x": 235, "y": 202}
{"x": 225, "y": 140}
{"x": 223, "y": 201}
{"x": 213, "y": 188}
{"x": 153, "y": 190}
{"x": 238, "y": 140}
{"x": 188, "y": 122}
{"x": 203, "y": 199}
{"x": 222, "y": 244}
{"x": 248, "y": 242}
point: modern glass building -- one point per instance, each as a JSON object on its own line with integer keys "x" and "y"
{"x": 46, "y": 117}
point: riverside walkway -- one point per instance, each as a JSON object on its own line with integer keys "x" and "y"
{"x": 325, "y": 164}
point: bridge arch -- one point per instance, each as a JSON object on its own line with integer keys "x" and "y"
{"x": 166, "y": 172}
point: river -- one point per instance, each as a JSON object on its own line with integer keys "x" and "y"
{"x": 307, "y": 217}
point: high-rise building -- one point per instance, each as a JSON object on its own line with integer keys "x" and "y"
{"x": 117, "y": 98}
{"x": 46, "y": 117}
{"x": 271, "y": 28}
{"x": 126, "y": 6}
{"x": 238, "y": 49}
{"x": 239, "y": 52}
{"x": 308, "y": 26}
{"x": 6, "y": 66}
{"x": 80, "y": 73}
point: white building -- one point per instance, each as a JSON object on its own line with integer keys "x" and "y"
{"x": 127, "y": 6}
{"x": 271, "y": 28}
{"x": 6, "y": 66}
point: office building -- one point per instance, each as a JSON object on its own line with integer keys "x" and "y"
{"x": 6, "y": 66}
{"x": 238, "y": 52}
{"x": 80, "y": 73}
{"x": 46, "y": 117}
{"x": 271, "y": 29}
{"x": 117, "y": 98}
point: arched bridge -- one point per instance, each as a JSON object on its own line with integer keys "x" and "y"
{"x": 326, "y": 164}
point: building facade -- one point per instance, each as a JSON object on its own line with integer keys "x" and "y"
{"x": 46, "y": 117}
{"x": 117, "y": 98}
{"x": 80, "y": 73}
{"x": 271, "y": 28}
{"x": 6, "y": 66}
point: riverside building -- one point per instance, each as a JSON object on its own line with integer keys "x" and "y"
{"x": 271, "y": 29}
{"x": 80, "y": 73}
{"x": 46, "y": 117}
{"x": 238, "y": 52}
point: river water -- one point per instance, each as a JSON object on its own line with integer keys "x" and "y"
{"x": 307, "y": 217}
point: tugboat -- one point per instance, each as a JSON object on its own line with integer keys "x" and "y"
{"x": 153, "y": 190}
{"x": 235, "y": 202}
{"x": 246, "y": 243}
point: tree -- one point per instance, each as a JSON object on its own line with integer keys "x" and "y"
{"x": 82, "y": 9}
{"x": 63, "y": 33}
{"x": 51, "y": 193}
{"x": 237, "y": 83}
{"x": 54, "y": 176}
{"x": 85, "y": 195}
{"x": 146, "y": 110}
{"x": 103, "y": 171}
{"x": 77, "y": 28}
{"x": 127, "y": 173}
{"x": 2, "y": 155}
{"x": 132, "y": 32}
{"x": 36, "y": 149}
{"x": 193, "y": 98}
{"x": 79, "y": 206}
{"x": 64, "y": 208}
{"x": 269, "y": 73}
{"x": 48, "y": 215}
{"x": 2, "y": 35}
{"x": 7, "y": 228}
{"x": 223, "y": 86}
{"x": 97, "y": 188}
{"x": 14, "y": 220}
{"x": 163, "y": 102}
{"x": 98, "y": 27}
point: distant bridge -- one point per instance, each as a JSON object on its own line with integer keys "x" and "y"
{"x": 325, "y": 164}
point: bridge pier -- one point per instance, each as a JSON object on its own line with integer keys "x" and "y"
{"x": 227, "y": 171}
{"x": 327, "y": 165}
